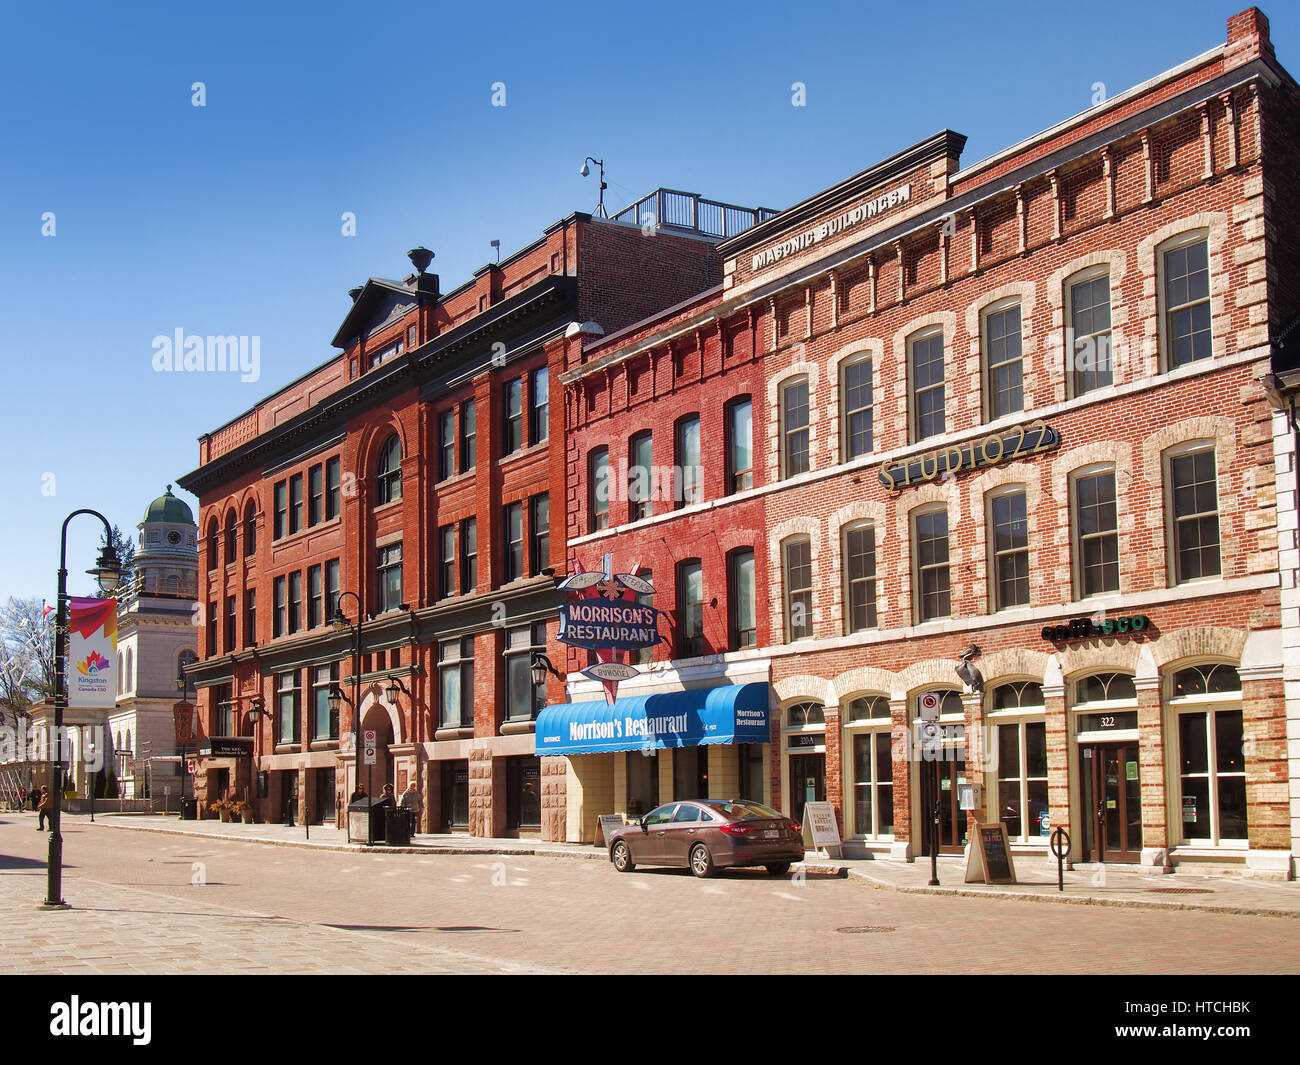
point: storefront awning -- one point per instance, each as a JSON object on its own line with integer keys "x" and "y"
{"x": 730, "y": 713}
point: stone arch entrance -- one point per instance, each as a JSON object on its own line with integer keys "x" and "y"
{"x": 377, "y": 716}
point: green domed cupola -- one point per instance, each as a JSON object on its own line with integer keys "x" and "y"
{"x": 169, "y": 509}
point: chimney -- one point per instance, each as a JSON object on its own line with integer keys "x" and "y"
{"x": 1247, "y": 38}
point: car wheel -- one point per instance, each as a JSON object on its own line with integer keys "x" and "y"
{"x": 778, "y": 868}
{"x": 701, "y": 860}
{"x": 621, "y": 856}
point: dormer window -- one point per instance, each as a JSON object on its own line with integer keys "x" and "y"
{"x": 384, "y": 354}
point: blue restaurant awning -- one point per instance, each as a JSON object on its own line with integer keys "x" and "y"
{"x": 729, "y": 713}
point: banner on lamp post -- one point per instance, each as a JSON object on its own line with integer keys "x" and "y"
{"x": 92, "y": 652}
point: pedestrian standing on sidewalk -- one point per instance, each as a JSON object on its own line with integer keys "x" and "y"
{"x": 43, "y": 810}
{"x": 411, "y": 804}
{"x": 35, "y": 796}
{"x": 359, "y": 794}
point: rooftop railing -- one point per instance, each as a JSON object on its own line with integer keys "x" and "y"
{"x": 692, "y": 213}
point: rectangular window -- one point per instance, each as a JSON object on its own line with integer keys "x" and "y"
{"x": 295, "y": 503}
{"x": 794, "y": 427}
{"x": 688, "y": 460}
{"x": 513, "y": 555}
{"x": 295, "y": 601}
{"x": 232, "y": 621}
{"x": 281, "y": 508}
{"x": 315, "y": 494}
{"x": 1187, "y": 303}
{"x": 281, "y": 607}
{"x": 446, "y": 561}
{"x": 1096, "y": 520}
{"x": 1022, "y": 780}
{"x": 456, "y": 682}
{"x": 690, "y": 609}
{"x": 741, "y": 595}
{"x": 539, "y": 533}
{"x": 468, "y": 436}
{"x": 599, "y": 481}
{"x": 932, "y": 591}
{"x": 213, "y": 622}
{"x": 384, "y": 354}
{"x": 223, "y": 711}
{"x": 644, "y": 655}
{"x": 873, "y": 784}
{"x": 331, "y": 589}
{"x": 856, "y": 396}
{"x": 797, "y": 560}
{"x": 1195, "y": 497}
{"x": 926, "y": 357}
{"x": 315, "y": 597}
{"x": 468, "y": 555}
{"x": 250, "y": 617}
{"x": 331, "y": 489}
{"x": 860, "y": 578}
{"x": 389, "y": 577}
{"x": 740, "y": 445}
{"x": 1090, "y": 335}
{"x": 524, "y": 699}
{"x": 1212, "y": 774}
{"x": 539, "y": 410}
{"x": 1003, "y": 358}
{"x": 446, "y": 444}
{"x": 513, "y": 438}
{"x": 1009, "y": 540}
{"x": 288, "y": 708}
{"x": 325, "y": 722}
{"x": 639, "y": 472}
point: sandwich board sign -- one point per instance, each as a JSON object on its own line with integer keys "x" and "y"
{"x": 820, "y": 829}
{"x": 989, "y": 858}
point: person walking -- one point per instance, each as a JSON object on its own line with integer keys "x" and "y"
{"x": 412, "y": 804}
{"x": 43, "y": 810}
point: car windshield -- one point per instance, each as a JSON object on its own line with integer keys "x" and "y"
{"x": 740, "y": 809}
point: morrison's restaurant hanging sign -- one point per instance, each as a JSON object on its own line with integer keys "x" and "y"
{"x": 831, "y": 227}
{"x": 961, "y": 458}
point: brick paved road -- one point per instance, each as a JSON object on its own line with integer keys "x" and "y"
{"x": 279, "y": 909}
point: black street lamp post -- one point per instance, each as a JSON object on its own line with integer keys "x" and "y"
{"x": 108, "y": 571}
{"x": 340, "y": 622}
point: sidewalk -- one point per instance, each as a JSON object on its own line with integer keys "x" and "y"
{"x": 1091, "y": 886}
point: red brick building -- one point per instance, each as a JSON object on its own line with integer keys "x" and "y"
{"x": 409, "y": 481}
{"x": 1007, "y": 419}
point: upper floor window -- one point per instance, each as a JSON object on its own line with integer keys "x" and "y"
{"x": 288, "y": 710}
{"x": 859, "y": 577}
{"x": 930, "y": 540}
{"x": 925, "y": 370}
{"x": 468, "y": 555}
{"x": 331, "y": 588}
{"x": 742, "y": 590}
{"x": 331, "y": 488}
{"x": 797, "y": 561}
{"x": 1185, "y": 272}
{"x": 250, "y": 529}
{"x": 446, "y": 560}
{"x": 232, "y": 526}
{"x": 295, "y": 600}
{"x": 315, "y": 597}
{"x": 214, "y": 544}
{"x": 539, "y": 408}
{"x": 315, "y": 494}
{"x": 388, "y": 486}
{"x": 688, "y": 459}
{"x": 1194, "y": 507}
{"x": 456, "y": 682}
{"x": 385, "y": 353}
{"x": 740, "y": 444}
{"x": 598, "y": 469}
{"x": 1003, "y": 362}
{"x": 446, "y": 444}
{"x": 281, "y": 509}
{"x": 539, "y": 533}
{"x": 856, "y": 400}
{"x": 639, "y": 470}
{"x": 295, "y": 503}
{"x": 468, "y": 435}
{"x": 388, "y": 577}
{"x": 1089, "y": 340}
{"x": 524, "y": 699}
{"x": 513, "y": 437}
{"x": 325, "y": 722}
{"x": 513, "y": 559}
{"x": 279, "y": 621}
{"x": 1009, "y": 548}
{"x": 1096, "y": 533}
{"x": 643, "y": 655}
{"x": 794, "y": 427}
{"x": 690, "y": 608}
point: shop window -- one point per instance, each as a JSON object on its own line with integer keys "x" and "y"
{"x": 1089, "y": 339}
{"x": 1185, "y": 286}
{"x": 856, "y": 399}
{"x": 642, "y": 781}
{"x": 925, "y": 372}
{"x": 388, "y": 486}
{"x": 1016, "y": 696}
{"x": 805, "y": 715}
{"x": 1194, "y": 514}
{"x": 873, "y": 784}
{"x": 1212, "y": 774}
{"x": 869, "y": 708}
{"x": 1022, "y": 779}
{"x": 1096, "y": 530}
{"x": 455, "y": 794}
{"x": 1206, "y": 680}
{"x": 523, "y": 793}
{"x": 1009, "y": 548}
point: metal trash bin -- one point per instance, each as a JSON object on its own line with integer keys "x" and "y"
{"x": 397, "y": 827}
{"x": 366, "y": 819}
{"x": 189, "y": 809}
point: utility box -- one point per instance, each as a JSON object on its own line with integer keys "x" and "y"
{"x": 366, "y": 819}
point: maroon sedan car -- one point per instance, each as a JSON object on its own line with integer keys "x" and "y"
{"x": 708, "y": 834}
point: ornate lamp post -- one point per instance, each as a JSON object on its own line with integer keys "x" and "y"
{"x": 340, "y": 622}
{"x": 107, "y": 571}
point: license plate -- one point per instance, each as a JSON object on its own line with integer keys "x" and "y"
{"x": 769, "y": 833}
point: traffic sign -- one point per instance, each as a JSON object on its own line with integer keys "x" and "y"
{"x": 189, "y": 766}
{"x": 930, "y": 706}
{"x": 369, "y": 756}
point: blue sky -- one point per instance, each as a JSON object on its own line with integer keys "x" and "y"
{"x": 226, "y": 219}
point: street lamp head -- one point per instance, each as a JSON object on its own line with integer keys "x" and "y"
{"x": 108, "y": 570}
{"x": 335, "y": 698}
{"x": 585, "y": 171}
{"x": 339, "y": 620}
{"x": 256, "y": 709}
{"x": 392, "y": 692}
{"x": 541, "y": 665}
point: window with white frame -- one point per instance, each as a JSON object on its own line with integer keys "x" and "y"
{"x": 1185, "y": 288}
{"x": 868, "y": 724}
{"x": 740, "y": 444}
{"x": 1193, "y": 507}
{"x": 856, "y": 399}
{"x": 930, "y": 563}
{"x": 1003, "y": 360}
{"x": 456, "y": 682}
{"x": 1017, "y": 716}
{"x": 1089, "y": 340}
{"x": 1206, "y": 703}
{"x": 687, "y": 440}
{"x": 388, "y": 474}
{"x": 925, "y": 372}
{"x": 796, "y": 558}
{"x": 1008, "y": 536}
{"x": 794, "y": 427}
{"x": 1096, "y": 532}
{"x": 288, "y": 708}
{"x": 859, "y": 561}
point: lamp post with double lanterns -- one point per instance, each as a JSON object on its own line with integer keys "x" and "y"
{"x": 107, "y": 572}
{"x": 340, "y": 622}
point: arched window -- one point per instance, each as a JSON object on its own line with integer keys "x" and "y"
{"x": 1018, "y": 695}
{"x": 868, "y": 708}
{"x": 949, "y": 702}
{"x": 1206, "y": 680}
{"x": 1104, "y": 688}
{"x": 232, "y": 523}
{"x": 126, "y": 677}
{"x": 388, "y": 485}
{"x": 214, "y": 544}
{"x": 802, "y": 715}
{"x": 250, "y": 528}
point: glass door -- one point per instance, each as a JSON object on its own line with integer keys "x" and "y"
{"x": 943, "y": 777}
{"x": 1112, "y": 802}
{"x": 807, "y": 782}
